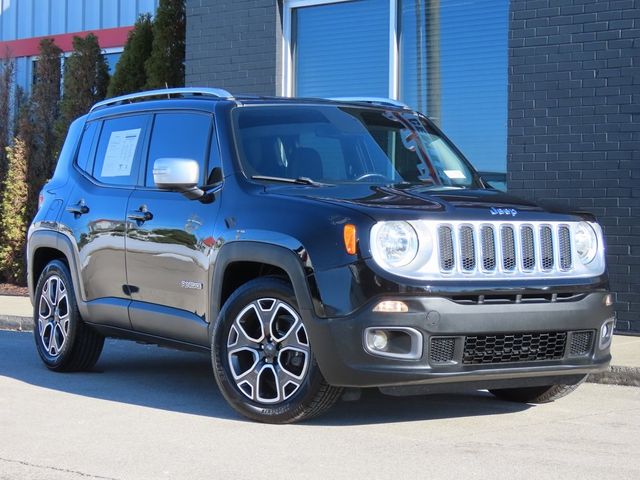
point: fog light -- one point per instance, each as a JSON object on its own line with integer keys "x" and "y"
{"x": 379, "y": 340}
{"x": 402, "y": 343}
{"x": 608, "y": 300}
{"x": 606, "y": 333}
{"x": 391, "y": 306}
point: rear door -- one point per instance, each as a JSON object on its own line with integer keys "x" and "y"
{"x": 107, "y": 169}
{"x": 168, "y": 252}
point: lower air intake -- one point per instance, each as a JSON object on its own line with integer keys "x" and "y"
{"x": 581, "y": 343}
{"x": 516, "y": 347}
{"x": 442, "y": 350}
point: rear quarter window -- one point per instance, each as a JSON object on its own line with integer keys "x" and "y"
{"x": 84, "y": 159}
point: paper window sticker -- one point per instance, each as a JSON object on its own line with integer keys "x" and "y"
{"x": 454, "y": 174}
{"x": 118, "y": 159}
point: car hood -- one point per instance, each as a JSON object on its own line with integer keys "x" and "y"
{"x": 411, "y": 202}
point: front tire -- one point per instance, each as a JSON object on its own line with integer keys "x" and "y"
{"x": 544, "y": 394}
{"x": 262, "y": 359}
{"x": 64, "y": 342}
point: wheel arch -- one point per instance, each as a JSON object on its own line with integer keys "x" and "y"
{"x": 45, "y": 246}
{"x": 267, "y": 259}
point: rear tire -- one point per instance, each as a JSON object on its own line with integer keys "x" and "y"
{"x": 262, "y": 359}
{"x": 544, "y": 394}
{"x": 64, "y": 342}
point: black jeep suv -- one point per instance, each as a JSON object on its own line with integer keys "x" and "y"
{"x": 310, "y": 245}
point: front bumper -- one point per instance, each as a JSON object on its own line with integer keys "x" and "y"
{"x": 338, "y": 343}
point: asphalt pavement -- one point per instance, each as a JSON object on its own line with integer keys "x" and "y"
{"x": 152, "y": 413}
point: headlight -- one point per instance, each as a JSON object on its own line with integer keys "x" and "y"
{"x": 394, "y": 244}
{"x": 586, "y": 242}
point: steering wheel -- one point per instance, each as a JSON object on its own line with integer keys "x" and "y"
{"x": 370, "y": 175}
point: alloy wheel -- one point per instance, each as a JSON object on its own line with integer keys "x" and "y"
{"x": 268, "y": 351}
{"x": 53, "y": 315}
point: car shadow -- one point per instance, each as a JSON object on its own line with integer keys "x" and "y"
{"x": 183, "y": 382}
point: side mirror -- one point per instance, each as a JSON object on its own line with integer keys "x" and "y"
{"x": 180, "y": 174}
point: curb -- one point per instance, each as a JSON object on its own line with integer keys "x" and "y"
{"x": 15, "y": 322}
{"x": 614, "y": 375}
{"x": 625, "y": 376}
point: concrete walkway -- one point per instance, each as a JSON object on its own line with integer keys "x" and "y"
{"x": 16, "y": 314}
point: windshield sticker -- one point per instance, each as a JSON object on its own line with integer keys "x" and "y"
{"x": 120, "y": 152}
{"x": 454, "y": 174}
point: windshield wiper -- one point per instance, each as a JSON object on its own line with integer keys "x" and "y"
{"x": 297, "y": 181}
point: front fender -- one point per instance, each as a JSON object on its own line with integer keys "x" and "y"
{"x": 295, "y": 264}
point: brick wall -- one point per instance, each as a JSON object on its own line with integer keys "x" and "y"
{"x": 574, "y": 122}
{"x": 233, "y": 44}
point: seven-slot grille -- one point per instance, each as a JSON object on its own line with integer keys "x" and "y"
{"x": 504, "y": 248}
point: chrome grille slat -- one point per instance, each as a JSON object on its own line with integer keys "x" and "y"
{"x": 546, "y": 248}
{"x": 504, "y": 248}
{"x": 467, "y": 248}
{"x": 488, "y": 244}
{"x": 564, "y": 247}
{"x": 446, "y": 248}
{"x": 508, "y": 248}
{"x": 528, "y": 253}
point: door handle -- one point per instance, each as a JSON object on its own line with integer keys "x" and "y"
{"x": 78, "y": 209}
{"x": 141, "y": 215}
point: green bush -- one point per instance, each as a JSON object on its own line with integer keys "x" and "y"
{"x": 13, "y": 212}
{"x": 130, "y": 75}
{"x": 165, "y": 66}
{"x": 6, "y": 84}
{"x": 86, "y": 77}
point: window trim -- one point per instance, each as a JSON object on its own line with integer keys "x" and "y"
{"x": 94, "y": 150}
{"x": 211, "y": 136}
{"x": 287, "y": 61}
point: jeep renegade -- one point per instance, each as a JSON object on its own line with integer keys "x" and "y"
{"x": 309, "y": 245}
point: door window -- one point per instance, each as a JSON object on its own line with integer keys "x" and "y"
{"x": 119, "y": 149}
{"x": 179, "y": 135}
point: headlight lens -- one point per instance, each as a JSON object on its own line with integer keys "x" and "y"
{"x": 395, "y": 243}
{"x": 586, "y": 242}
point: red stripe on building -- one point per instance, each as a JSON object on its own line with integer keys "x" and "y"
{"x": 27, "y": 47}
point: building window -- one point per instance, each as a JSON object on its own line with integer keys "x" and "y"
{"x": 453, "y": 66}
{"x": 112, "y": 55}
{"x": 341, "y": 48}
{"x": 34, "y": 71}
{"x": 446, "y": 58}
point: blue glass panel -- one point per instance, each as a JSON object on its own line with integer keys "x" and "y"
{"x": 127, "y": 12}
{"x": 41, "y": 19}
{"x": 342, "y": 49}
{"x": 112, "y": 61}
{"x": 92, "y": 15}
{"x": 25, "y": 17}
{"x": 109, "y": 15}
{"x": 75, "y": 15}
{"x": 454, "y": 67}
{"x": 58, "y": 16}
{"x": 8, "y": 19}
{"x": 146, "y": 6}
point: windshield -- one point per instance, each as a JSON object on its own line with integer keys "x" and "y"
{"x": 329, "y": 144}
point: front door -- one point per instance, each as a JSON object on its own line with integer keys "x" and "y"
{"x": 169, "y": 237}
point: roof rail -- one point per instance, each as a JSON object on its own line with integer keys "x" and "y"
{"x": 372, "y": 100}
{"x": 212, "y": 92}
